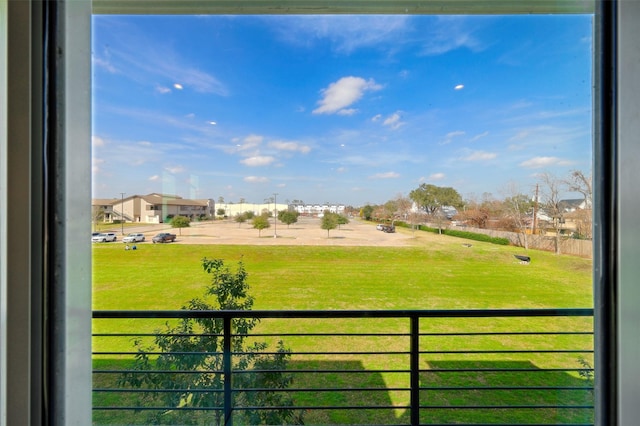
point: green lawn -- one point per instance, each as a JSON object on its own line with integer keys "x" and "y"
{"x": 436, "y": 273}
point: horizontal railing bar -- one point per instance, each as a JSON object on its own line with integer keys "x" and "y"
{"x": 104, "y": 408}
{"x": 509, "y": 407}
{"x": 487, "y": 333}
{"x": 502, "y": 370}
{"x": 298, "y": 390}
{"x": 323, "y": 407}
{"x": 512, "y": 351}
{"x": 402, "y": 313}
{"x": 157, "y": 371}
{"x": 243, "y": 371}
{"x": 284, "y": 390}
{"x": 510, "y": 424}
{"x": 158, "y": 353}
{"x": 522, "y": 388}
{"x": 265, "y": 353}
{"x": 406, "y": 371}
{"x": 156, "y": 334}
{"x": 460, "y": 352}
{"x": 512, "y": 333}
{"x": 129, "y": 390}
{"x": 438, "y": 407}
{"x": 269, "y": 408}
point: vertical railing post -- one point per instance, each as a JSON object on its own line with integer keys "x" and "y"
{"x": 414, "y": 361}
{"x": 226, "y": 367}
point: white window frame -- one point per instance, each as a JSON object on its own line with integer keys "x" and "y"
{"x": 45, "y": 265}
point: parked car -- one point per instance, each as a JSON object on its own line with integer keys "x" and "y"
{"x": 133, "y": 238}
{"x": 164, "y": 237}
{"x": 379, "y": 227}
{"x": 389, "y": 229}
{"x": 104, "y": 237}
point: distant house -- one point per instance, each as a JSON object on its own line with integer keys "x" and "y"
{"x": 571, "y": 205}
{"x": 316, "y": 209}
{"x": 152, "y": 208}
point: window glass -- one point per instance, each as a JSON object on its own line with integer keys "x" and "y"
{"x": 458, "y": 150}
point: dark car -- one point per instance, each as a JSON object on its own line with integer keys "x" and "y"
{"x": 164, "y": 237}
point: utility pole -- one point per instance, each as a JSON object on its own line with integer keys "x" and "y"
{"x": 275, "y": 215}
{"x": 122, "y": 213}
{"x": 535, "y": 212}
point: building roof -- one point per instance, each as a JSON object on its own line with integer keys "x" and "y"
{"x": 103, "y": 201}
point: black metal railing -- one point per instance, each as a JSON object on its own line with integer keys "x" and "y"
{"x": 410, "y": 367}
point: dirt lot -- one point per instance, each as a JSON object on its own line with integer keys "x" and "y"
{"x": 306, "y": 232}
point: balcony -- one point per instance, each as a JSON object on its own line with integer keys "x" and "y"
{"x": 472, "y": 367}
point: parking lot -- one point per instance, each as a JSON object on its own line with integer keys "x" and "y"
{"x": 306, "y": 231}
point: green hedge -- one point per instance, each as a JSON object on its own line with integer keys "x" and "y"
{"x": 460, "y": 234}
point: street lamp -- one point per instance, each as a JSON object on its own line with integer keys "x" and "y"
{"x": 275, "y": 215}
{"x": 122, "y": 213}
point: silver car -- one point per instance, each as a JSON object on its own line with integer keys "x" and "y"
{"x": 104, "y": 237}
{"x": 133, "y": 238}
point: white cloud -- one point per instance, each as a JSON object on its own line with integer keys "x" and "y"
{"x": 436, "y": 177}
{"x": 150, "y": 61}
{"x": 97, "y": 141}
{"x": 145, "y": 143}
{"x": 154, "y": 178}
{"x": 376, "y": 117}
{"x": 163, "y": 90}
{"x": 343, "y": 93}
{"x": 450, "y": 33}
{"x": 281, "y": 185}
{"x": 174, "y": 169}
{"x": 480, "y": 156}
{"x": 258, "y": 160}
{"x": 251, "y": 142}
{"x": 540, "y": 162}
{"x": 451, "y": 135}
{"x": 346, "y": 33}
{"x": 256, "y": 179}
{"x": 348, "y": 111}
{"x": 95, "y": 167}
{"x": 393, "y": 121}
{"x": 479, "y": 136}
{"x": 105, "y": 64}
{"x": 387, "y": 175}
{"x": 290, "y": 146}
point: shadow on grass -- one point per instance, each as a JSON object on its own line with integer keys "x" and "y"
{"x": 452, "y": 392}
{"x": 450, "y": 386}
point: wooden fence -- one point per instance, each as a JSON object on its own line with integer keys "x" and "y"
{"x": 571, "y": 246}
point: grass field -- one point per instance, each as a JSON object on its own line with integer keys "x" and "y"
{"x": 439, "y": 273}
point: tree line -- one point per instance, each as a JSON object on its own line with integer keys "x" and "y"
{"x": 540, "y": 208}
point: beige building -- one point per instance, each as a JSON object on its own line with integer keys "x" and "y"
{"x": 151, "y": 208}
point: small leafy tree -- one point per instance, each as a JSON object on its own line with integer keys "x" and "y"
{"x": 240, "y": 218}
{"x": 366, "y": 212}
{"x": 196, "y": 345}
{"x": 261, "y": 222}
{"x": 342, "y": 220}
{"x": 180, "y": 222}
{"x": 329, "y": 222}
{"x": 288, "y": 217}
{"x": 221, "y": 212}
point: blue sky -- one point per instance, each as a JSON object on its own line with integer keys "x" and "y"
{"x": 340, "y": 109}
